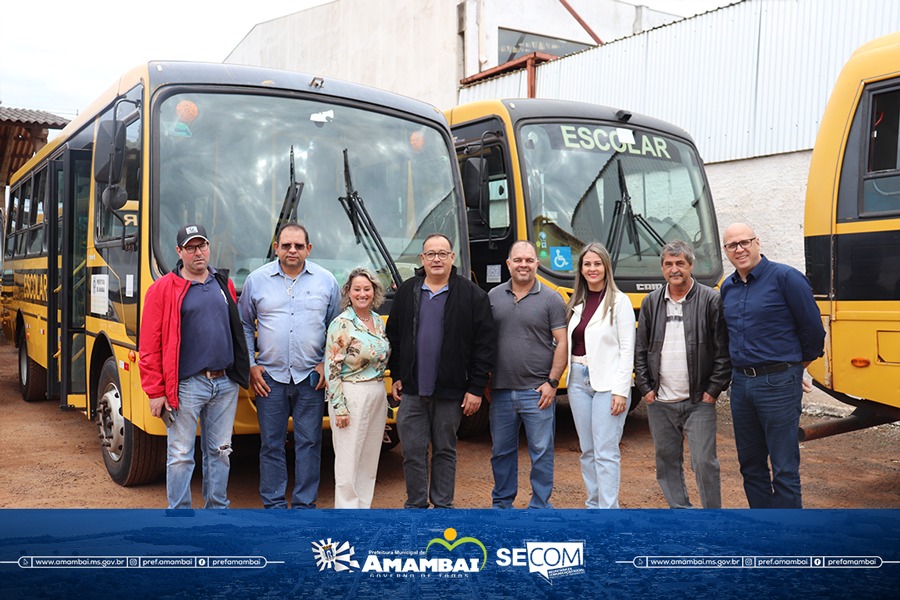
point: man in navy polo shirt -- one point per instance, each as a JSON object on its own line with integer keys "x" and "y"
{"x": 193, "y": 360}
{"x": 774, "y": 331}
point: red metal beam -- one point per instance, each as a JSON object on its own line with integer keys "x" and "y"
{"x": 529, "y": 61}
{"x": 582, "y": 22}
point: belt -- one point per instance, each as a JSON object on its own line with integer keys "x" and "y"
{"x": 765, "y": 369}
{"x": 213, "y": 374}
{"x": 581, "y": 360}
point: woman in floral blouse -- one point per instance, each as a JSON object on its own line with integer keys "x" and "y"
{"x": 356, "y": 355}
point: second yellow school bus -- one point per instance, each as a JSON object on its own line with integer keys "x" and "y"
{"x": 563, "y": 174}
{"x": 852, "y": 233}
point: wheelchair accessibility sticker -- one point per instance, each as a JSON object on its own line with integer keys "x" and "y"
{"x": 560, "y": 258}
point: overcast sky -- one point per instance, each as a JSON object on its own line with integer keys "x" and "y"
{"x": 58, "y": 55}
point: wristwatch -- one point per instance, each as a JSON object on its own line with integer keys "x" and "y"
{"x": 554, "y": 383}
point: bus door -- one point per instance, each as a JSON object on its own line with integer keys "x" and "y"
{"x": 487, "y": 182}
{"x": 67, "y": 273}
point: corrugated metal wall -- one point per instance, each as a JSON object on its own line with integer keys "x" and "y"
{"x": 750, "y": 79}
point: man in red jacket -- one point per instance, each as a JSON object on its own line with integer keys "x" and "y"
{"x": 193, "y": 360}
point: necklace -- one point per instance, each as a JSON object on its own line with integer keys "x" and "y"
{"x": 367, "y": 319}
{"x": 290, "y": 288}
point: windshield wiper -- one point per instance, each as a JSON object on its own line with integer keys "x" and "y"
{"x": 362, "y": 223}
{"x": 288, "y": 208}
{"x": 593, "y": 185}
{"x": 624, "y": 218}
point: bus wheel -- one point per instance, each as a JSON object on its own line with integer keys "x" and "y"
{"x": 32, "y": 376}
{"x": 131, "y": 456}
{"x": 391, "y": 439}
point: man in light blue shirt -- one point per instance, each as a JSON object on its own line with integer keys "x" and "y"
{"x": 288, "y": 304}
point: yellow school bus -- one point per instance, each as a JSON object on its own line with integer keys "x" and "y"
{"x": 92, "y": 217}
{"x": 563, "y": 174}
{"x": 852, "y": 234}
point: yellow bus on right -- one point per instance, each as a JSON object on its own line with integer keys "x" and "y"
{"x": 852, "y": 235}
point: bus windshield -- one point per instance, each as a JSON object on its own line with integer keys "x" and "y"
{"x": 631, "y": 189}
{"x": 226, "y": 161}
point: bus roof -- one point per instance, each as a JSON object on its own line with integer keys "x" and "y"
{"x": 176, "y": 72}
{"x": 165, "y": 73}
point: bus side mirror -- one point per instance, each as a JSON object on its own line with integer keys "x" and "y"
{"x": 109, "y": 152}
{"x": 474, "y": 182}
{"x": 114, "y": 197}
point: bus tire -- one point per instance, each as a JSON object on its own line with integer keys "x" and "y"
{"x": 131, "y": 456}
{"x": 32, "y": 376}
{"x": 391, "y": 438}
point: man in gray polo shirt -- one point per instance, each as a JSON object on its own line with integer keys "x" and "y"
{"x": 531, "y": 356}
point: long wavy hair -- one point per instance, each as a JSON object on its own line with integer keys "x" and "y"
{"x": 581, "y": 285}
{"x": 377, "y": 287}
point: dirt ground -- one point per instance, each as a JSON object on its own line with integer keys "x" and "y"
{"x": 51, "y": 459}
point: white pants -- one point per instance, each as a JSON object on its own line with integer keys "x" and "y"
{"x": 599, "y": 434}
{"x": 357, "y": 447}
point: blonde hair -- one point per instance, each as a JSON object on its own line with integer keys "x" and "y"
{"x": 581, "y": 286}
{"x": 377, "y": 287}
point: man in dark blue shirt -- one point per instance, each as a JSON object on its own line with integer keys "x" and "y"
{"x": 775, "y": 331}
{"x": 442, "y": 338}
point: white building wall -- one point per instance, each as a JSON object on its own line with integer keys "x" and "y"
{"x": 422, "y": 48}
{"x": 409, "y": 47}
{"x": 768, "y": 193}
{"x": 608, "y": 19}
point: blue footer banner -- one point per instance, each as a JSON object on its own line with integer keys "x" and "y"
{"x": 449, "y": 553}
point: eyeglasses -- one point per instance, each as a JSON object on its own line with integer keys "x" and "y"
{"x": 201, "y": 247}
{"x": 742, "y": 243}
{"x": 431, "y": 255}
{"x": 287, "y": 246}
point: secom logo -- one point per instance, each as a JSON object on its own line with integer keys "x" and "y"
{"x": 548, "y": 559}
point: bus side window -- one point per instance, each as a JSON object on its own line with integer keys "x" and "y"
{"x": 866, "y": 265}
{"x": 12, "y": 216}
{"x": 24, "y": 220}
{"x": 881, "y": 184}
{"x": 36, "y": 231}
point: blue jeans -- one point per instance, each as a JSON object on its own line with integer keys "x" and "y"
{"x": 599, "y": 434}
{"x": 306, "y": 406}
{"x": 213, "y": 402}
{"x": 509, "y": 410}
{"x": 766, "y": 414}
{"x": 672, "y": 422}
{"x": 424, "y": 420}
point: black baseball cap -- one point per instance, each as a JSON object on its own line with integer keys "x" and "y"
{"x": 189, "y": 232}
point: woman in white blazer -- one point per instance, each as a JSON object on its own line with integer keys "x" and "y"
{"x": 601, "y": 359}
